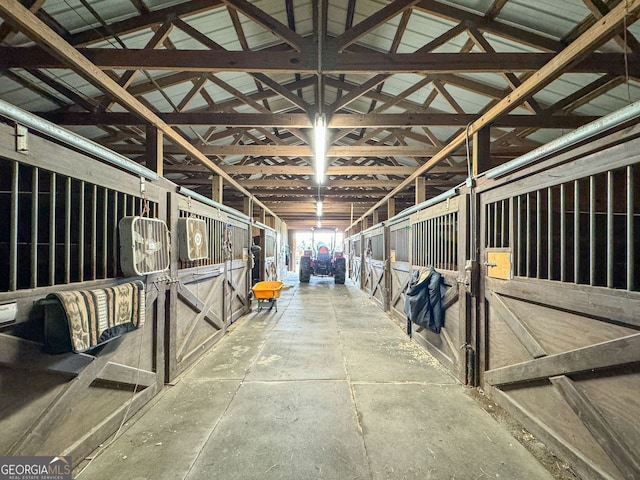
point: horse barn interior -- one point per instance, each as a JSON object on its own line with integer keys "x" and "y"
{"x": 491, "y": 146}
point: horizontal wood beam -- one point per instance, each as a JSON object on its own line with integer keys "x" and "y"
{"x": 303, "y": 191}
{"x": 600, "y": 32}
{"x": 40, "y": 33}
{"x": 294, "y": 62}
{"x": 306, "y": 151}
{"x": 302, "y": 120}
{"x": 288, "y": 183}
{"x": 308, "y": 170}
{"x": 142, "y": 22}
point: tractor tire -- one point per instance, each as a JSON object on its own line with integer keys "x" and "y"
{"x": 305, "y": 269}
{"x": 340, "y": 270}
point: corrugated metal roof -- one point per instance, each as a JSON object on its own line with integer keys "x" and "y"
{"x": 472, "y": 92}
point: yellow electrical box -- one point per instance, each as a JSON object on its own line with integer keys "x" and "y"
{"x": 499, "y": 264}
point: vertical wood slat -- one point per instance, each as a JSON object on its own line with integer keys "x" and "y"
{"x": 81, "y": 233}
{"x": 67, "y": 231}
{"x": 52, "y": 229}
{"x": 563, "y": 235}
{"x": 576, "y": 231}
{"x": 549, "y": 233}
{"x": 610, "y": 232}
{"x": 630, "y": 232}
{"x": 35, "y": 192}
{"x": 13, "y": 228}
{"x": 592, "y": 230}
{"x": 538, "y": 233}
{"x": 94, "y": 231}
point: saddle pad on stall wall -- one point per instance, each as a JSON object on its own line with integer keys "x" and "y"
{"x": 79, "y": 320}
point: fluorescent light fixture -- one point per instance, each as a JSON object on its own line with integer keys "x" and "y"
{"x": 319, "y": 208}
{"x": 319, "y": 223}
{"x": 320, "y": 133}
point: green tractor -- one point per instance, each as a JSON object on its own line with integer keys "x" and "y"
{"x": 324, "y": 261}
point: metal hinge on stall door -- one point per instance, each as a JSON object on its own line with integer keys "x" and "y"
{"x": 22, "y": 136}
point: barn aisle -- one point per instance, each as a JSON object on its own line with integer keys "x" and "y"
{"x": 327, "y": 387}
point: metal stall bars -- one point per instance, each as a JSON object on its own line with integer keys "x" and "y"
{"x": 355, "y": 259}
{"x": 560, "y": 322}
{"x": 439, "y": 236}
{"x": 374, "y": 272}
{"x": 63, "y": 209}
{"x": 211, "y": 277}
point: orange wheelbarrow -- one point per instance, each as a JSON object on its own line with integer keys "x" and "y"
{"x": 267, "y": 291}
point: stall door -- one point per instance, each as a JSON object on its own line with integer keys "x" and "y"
{"x": 374, "y": 281}
{"x": 399, "y": 266}
{"x": 439, "y": 239}
{"x": 355, "y": 260}
{"x": 561, "y": 321}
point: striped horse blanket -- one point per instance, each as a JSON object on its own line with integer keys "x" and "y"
{"x": 79, "y": 320}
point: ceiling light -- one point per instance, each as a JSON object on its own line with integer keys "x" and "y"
{"x": 319, "y": 223}
{"x": 320, "y": 134}
{"x": 319, "y": 208}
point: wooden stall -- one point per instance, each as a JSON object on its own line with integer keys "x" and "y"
{"x": 375, "y": 255}
{"x": 63, "y": 210}
{"x": 152, "y": 273}
{"x": 209, "y": 264}
{"x": 399, "y": 264}
{"x": 435, "y": 235}
{"x": 355, "y": 259}
{"x": 560, "y": 326}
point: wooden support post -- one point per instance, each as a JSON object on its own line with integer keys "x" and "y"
{"x": 216, "y": 188}
{"x": 365, "y": 223}
{"x": 154, "y": 149}
{"x": 421, "y": 190}
{"x": 263, "y": 216}
{"x": 376, "y": 218}
{"x": 391, "y": 207}
{"x": 246, "y": 207}
{"x": 481, "y": 151}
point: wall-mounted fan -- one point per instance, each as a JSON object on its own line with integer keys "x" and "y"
{"x": 193, "y": 235}
{"x": 144, "y": 246}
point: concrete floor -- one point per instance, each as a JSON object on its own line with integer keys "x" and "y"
{"x": 328, "y": 387}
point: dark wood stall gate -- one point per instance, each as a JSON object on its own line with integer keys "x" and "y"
{"x": 561, "y": 316}
{"x": 210, "y": 291}
{"x": 436, "y": 236}
{"x": 374, "y": 278}
{"x": 63, "y": 210}
{"x": 355, "y": 259}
